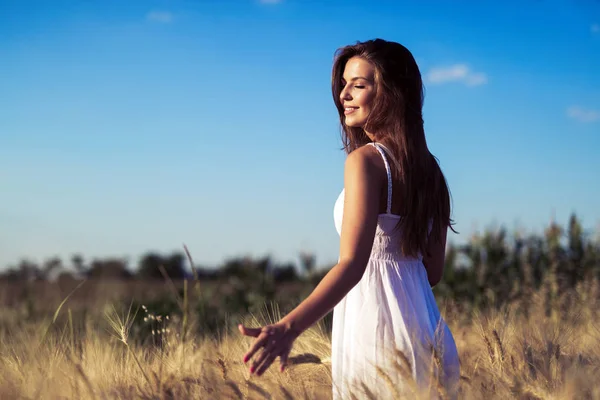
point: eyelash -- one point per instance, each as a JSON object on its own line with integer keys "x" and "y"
{"x": 356, "y": 86}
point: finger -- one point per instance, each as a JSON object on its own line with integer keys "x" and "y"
{"x": 266, "y": 364}
{"x": 254, "y": 332}
{"x": 283, "y": 358}
{"x": 253, "y": 349}
{"x": 258, "y": 343}
{"x": 269, "y": 348}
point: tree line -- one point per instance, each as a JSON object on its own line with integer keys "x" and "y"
{"x": 492, "y": 268}
{"x": 153, "y": 265}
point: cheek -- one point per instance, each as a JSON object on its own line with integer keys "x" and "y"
{"x": 366, "y": 100}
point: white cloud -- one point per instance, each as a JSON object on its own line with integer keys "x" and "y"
{"x": 595, "y": 28}
{"x": 456, "y": 73}
{"x": 163, "y": 17}
{"x": 582, "y": 114}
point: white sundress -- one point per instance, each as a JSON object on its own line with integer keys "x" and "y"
{"x": 391, "y": 308}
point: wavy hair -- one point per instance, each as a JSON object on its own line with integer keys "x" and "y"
{"x": 396, "y": 120}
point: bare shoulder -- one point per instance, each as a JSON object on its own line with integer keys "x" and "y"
{"x": 365, "y": 160}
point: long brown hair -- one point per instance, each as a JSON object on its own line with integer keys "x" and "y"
{"x": 396, "y": 120}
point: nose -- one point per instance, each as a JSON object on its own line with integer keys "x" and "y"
{"x": 345, "y": 95}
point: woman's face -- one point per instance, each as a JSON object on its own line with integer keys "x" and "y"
{"x": 358, "y": 91}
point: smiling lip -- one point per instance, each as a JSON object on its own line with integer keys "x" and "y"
{"x": 349, "y": 110}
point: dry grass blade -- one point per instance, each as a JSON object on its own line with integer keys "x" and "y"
{"x": 223, "y": 367}
{"x": 169, "y": 282}
{"x": 83, "y": 376}
{"x": 57, "y": 312}
{"x": 437, "y": 375}
{"x": 490, "y": 349}
{"x": 404, "y": 361}
{"x": 236, "y": 390}
{"x": 499, "y": 344}
{"x": 85, "y": 379}
{"x": 368, "y": 393}
{"x": 191, "y": 261}
{"x": 402, "y": 366}
{"x": 121, "y": 328}
{"x": 258, "y": 389}
{"x": 393, "y": 388}
{"x": 286, "y": 394}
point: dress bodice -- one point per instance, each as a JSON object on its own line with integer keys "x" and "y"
{"x": 388, "y": 236}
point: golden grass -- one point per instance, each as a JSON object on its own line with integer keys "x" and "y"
{"x": 503, "y": 353}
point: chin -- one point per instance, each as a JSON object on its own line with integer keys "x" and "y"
{"x": 353, "y": 123}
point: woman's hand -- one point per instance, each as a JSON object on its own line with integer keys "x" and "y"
{"x": 275, "y": 340}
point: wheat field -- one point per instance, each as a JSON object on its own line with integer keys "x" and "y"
{"x": 538, "y": 348}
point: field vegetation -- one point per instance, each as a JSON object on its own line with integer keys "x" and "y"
{"x": 523, "y": 308}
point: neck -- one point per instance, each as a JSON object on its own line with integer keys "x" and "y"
{"x": 370, "y": 135}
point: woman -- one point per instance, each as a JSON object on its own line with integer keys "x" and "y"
{"x": 392, "y": 216}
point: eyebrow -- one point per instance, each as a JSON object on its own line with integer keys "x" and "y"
{"x": 357, "y": 78}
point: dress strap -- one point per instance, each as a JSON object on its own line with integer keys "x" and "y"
{"x": 380, "y": 148}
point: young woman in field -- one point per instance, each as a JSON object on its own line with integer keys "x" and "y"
{"x": 392, "y": 216}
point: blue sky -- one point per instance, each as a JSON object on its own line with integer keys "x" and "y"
{"x": 142, "y": 125}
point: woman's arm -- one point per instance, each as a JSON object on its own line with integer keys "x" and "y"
{"x": 363, "y": 185}
{"x": 434, "y": 262}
